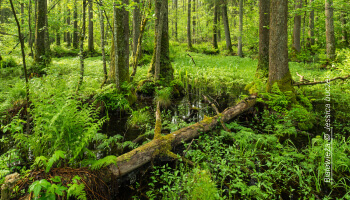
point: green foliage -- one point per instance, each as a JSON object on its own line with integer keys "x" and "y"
{"x": 163, "y": 96}
{"x": 45, "y": 190}
{"x": 139, "y": 118}
{"x": 98, "y": 164}
{"x": 76, "y": 189}
{"x": 8, "y": 63}
{"x": 43, "y": 162}
{"x": 114, "y": 99}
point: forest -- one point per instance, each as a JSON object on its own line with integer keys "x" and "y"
{"x": 174, "y": 99}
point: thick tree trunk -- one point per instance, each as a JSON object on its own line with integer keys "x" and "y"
{"x": 40, "y": 56}
{"x": 226, "y": 27}
{"x": 345, "y": 41}
{"x": 297, "y": 28}
{"x": 311, "y": 39}
{"x": 75, "y": 25}
{"x": 91, "y": 29}
{"x": 189, "y": 40}
{"x": 166, "y": 70}
{"x": 69, "y": 39}
{"x": 162, "y": 145}
{"x": 239, "y": 51}
{"x": 264, "y": 23}
{"x": 278, "y": 47}
{"x": 136, "y": 22}
{"x": 121, "y": 21}
{"x": 215, "y": 24}
{"x": 159, "y": 43}
{"x": 330, "y": 39}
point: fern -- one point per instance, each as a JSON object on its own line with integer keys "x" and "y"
{"x": 55, "y": 157}
{"x": 76, "y": 190}
{"x": 98, "y": 164}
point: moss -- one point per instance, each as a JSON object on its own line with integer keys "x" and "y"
{"x": 146, "y": 88}
{"x": 285, "y": 85}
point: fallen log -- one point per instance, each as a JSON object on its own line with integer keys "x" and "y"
{"x": 162, "y": 145}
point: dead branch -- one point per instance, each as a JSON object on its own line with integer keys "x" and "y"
{"x": 217, "y": 112}
{"x": 321, "y": 82}
{"x": 192, "y": 59}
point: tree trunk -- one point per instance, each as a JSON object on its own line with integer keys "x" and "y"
{"x": 159, "y": 42}
{"x": 136, "y": 22}
{"x": 218, "y": 24}
{"x": 264, "y": 23}
{"x": 162, "y": 145}
{"x": 330, "y": 40}
{"x": 22, "y": 13}
{"x": 120, "y": 61}
{"x": 58, "y": 32}
{"x": 189, "y": 40}
{"x": 226, "y": 27}
{"x": 278, "y": 47}
{"x": 176, "y": 2}
{"x": 240, "y": 53}
{"x": 345, "y": 41}
{"x": 215, "y": 24}
{"x": 81, "y": 46}
{"x": 194, "y": 21}
{"x": 115, "y": 43}
{"x": 40, "y": 56}
{"x": 311, "y": 39}
{"x": 69, "y": 40}
{"x": 102, "y": 28}
{"x": 297, "y": 28}
{"x": 75, "y": 25}
{"x": 166, "y": 70}
{"x": 30, "y": 40}
{"x": 91, "y": 30}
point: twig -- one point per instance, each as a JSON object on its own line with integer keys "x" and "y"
{"x": 217, "y": 112}
{"x": 321, "y": 82}
{"x": 188, "y": 148}
{"x": 192, "y": 59}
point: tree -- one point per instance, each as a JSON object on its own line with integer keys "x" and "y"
{"x": 81, "y": 45}
{"x": 297, "y": 27}
{"x": 175, "y": 1}
{"x": 226, "y": 26}
{"x": 58, "y": 32}
{"x": 189, "y": 40}
{"x": 41, "y": 56}
{"x": 91, "y": 29}
{"x": 330, "y": 39}
{"x": 69, "y": 39}
{"x": 311, "y": 39}
{"x": 215, "y": 24}
{"x": 166, "y": 70}
{"x": 345, "y": 41}
{"x": 264, "y": 22}
{"x": 119, "y": 68}
{"x": 102, "y": 28}
{"x": 240, "y": 53}
{"x": 194, "y": 21}
{"x": 278, "y": 47}
{"x": 136, "y": 13}
{"x": 75, "y": 25}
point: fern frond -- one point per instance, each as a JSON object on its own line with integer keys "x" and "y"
{"x": 55, "y": 157}
{"x": 98, "y": 164}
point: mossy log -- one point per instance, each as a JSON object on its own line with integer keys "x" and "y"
{"x": 163, "y": 144}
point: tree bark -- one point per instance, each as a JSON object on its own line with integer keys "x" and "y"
{"x": 40, "y": 56}
{"x": 278, "y": 47}
{"x": 166, "y": 70}
{"x": 91, "y": 29}
{"x": 120, "y": 67}
{"x": 30, "y": 40}
{"x": 311, "y": 39}
{"x": 69, "y": 40}
{"x": 345, "y": 41}
{"x": 240, "y": 53}
{"x": 176, "y": 2}
{"x": 189, "y": 40}
{"x": 75, "y": 25}
{"x": 226, "y": 26}
{"x": 159, "y": 42}
{"x": 330, "y": 39}
{"x": 194, "y": 21}
{"x": 102, "y": 28}
{"x": 215, "y": 24}
{"x": 58, "y": 32}
{"x": 81, "y": 46}
{"x": 162, "y": 145}
{"x": 264, "y": 23}
{"x": 297, "y": 28}
{"x": 136, "y": 22}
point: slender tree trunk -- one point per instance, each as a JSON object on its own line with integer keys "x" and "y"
{"x": 81, "y": 46}
{"x": 226, "y": 27}
{"x": 166, "y": 70}
{"x": 240, "y": 53}
{"x": 264, "y": 23}
{"x": 102, "y": 28}
{"x": 189, "y": 40}
{"x": 176, "y": 3}
{"x": 40, "y": 56}
{"x": 115, "y": 42}
{"x": 24, "y": 65}
{"x": 91, "y": 29}
{"x": 22, "y": 13}
{"x": 345, "y": 41}
{"x": 138, "y": 51}
{"x": 330, "y": 39}
{"x": 75, "y": 25}
{"x": 311, "y": 39}
{"x": 297, "y": 28}
{"x": 136, "y": 22}
{"x": 218, "y": 24}
{"x": 194, "y": 21}
{"x": 69, "y": 40}
{"x": 215, "y": 24}
{"x": 278, "y": 47}
{"x": 30, "y": 40}
{"x": 58, "y": 32}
